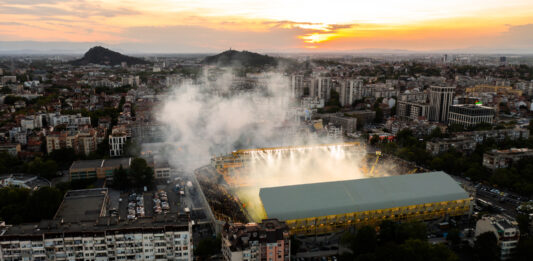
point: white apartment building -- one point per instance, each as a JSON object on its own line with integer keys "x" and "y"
{"x": 350, "y": 91}
{"x": 31, "y": 122}
{"x": 505, "y": 230}
{"x": 77, "y": 120}
{"x": 298, "y": 84}
{"x": 116, "y": 144}
{"x": 109, "y": 240}
{"x": 321, "y": 88}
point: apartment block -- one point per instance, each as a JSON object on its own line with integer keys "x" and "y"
{"x": 505, "y": 230}
{"x": 496, "y": 159}
{"x": 268, "y": 240}
{"x": 98, "y": 237}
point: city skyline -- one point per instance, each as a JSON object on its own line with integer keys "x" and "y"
{"x": 274, "y": 26}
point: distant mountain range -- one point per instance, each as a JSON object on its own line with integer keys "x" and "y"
{"x": 243, "y": 58}
{"x": 78, "y": 48}
{"x": 104, "y": 56}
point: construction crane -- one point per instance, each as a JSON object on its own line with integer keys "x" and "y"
{"x": 378, "y": 153}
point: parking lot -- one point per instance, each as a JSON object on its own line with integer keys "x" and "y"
{"x": 168, "y": 197}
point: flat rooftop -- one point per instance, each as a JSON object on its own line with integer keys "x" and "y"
{"x": 86, "y": 164}
{"x": 348, "y": 196}
{"x": 82, "y": 205}
{"x": 116, "y": 162}
{"x": 53, "y": 228}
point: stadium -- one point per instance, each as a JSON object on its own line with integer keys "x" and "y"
{"x": 331, "y": 206}
{"x": 326, "y": 187}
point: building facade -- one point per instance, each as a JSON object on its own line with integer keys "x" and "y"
{"x": 268, "y": 240}
{"x": 412, "y": 110}
{"x": 496, "y": 159}
{"x": 505, "y": 230}
{"x": 440, "y": 100}
{"x": 468, "y": 115}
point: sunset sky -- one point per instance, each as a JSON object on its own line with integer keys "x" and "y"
{"x": 273, "y": 25}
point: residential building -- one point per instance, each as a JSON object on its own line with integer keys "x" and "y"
{"x": 31, "y": 122}
{"x": 82, "y": 230}
{"x": 321, "y": 88}
{"x": 11, "y": 149}
{"x": 116, "y": 144}
{"x": 440, "y": 100}
{"x": 298, "y": 84}
{"x": 505, "y": 230}
{"x": 77, "y": 120}
{"x": 9, "y": 79}
{"x": 350, "y": 91}
{"x": 496, "y": 159}
{"x": 268, "y": 240}
{"x": 469, "y": 115}
{"x": 348, "y": 123}
{"x": 460, "y": 144}
{"x": 312, "y": 103}
{"x": 411, "y": 110}
{"x": 362, "y": 116}
{"x": 61, "y": 140}
{"x": 498, "y": 135}
{"x": 87, "y": 141}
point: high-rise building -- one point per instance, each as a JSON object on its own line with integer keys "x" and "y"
{"x": 440, "y": 100}
{"x": 350, "y": 91}
{"x": 297, "y": 86}
{"x": 268, "y": 240}
{"x": 321, "y": 88}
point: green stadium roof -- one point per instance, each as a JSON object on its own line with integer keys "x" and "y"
{"x": 340, "y": 197}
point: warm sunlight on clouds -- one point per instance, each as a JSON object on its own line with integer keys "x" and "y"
{"x": 275, "y": 25}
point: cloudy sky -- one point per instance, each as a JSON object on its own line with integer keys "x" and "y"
{"x": 273, "y": 25}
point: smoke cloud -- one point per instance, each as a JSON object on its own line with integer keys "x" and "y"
{"x": 216, "y": 116}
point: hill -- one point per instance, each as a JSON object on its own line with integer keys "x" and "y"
{"x": 104, "y": 56}
{"x": 243, "y": 58}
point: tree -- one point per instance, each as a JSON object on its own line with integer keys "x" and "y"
{"x": 141, "y": 174}
{"x": 120, "y": 178}
{"x": 5, "y": 90}
{"x": 39, "y": 167}
{"x": 435, "y": 133}
{"x": 454, "y": 237}
{"x": 19, "y": 205}
{"x": 208, "y": 247}
{"x": 379, "y": 115}
{"x": 524, "y": 250}
{"x": 365, "y": 241}
{"x": 374, "y": 140}
{"x": 63, "y": 157}
{"x": 43, "y": 203}
{"x": 486, "y": 247}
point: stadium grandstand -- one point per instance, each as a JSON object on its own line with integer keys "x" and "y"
{"x": 320, "y": 208}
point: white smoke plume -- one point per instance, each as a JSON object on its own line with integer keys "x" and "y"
{"x": 209, "y": 119}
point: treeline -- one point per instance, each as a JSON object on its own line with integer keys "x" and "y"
{"x": 517, "y": 178}
{"x": 405, "y": 241}
{"x": 21, "y": 205}
{"x": 138, "y": 175}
